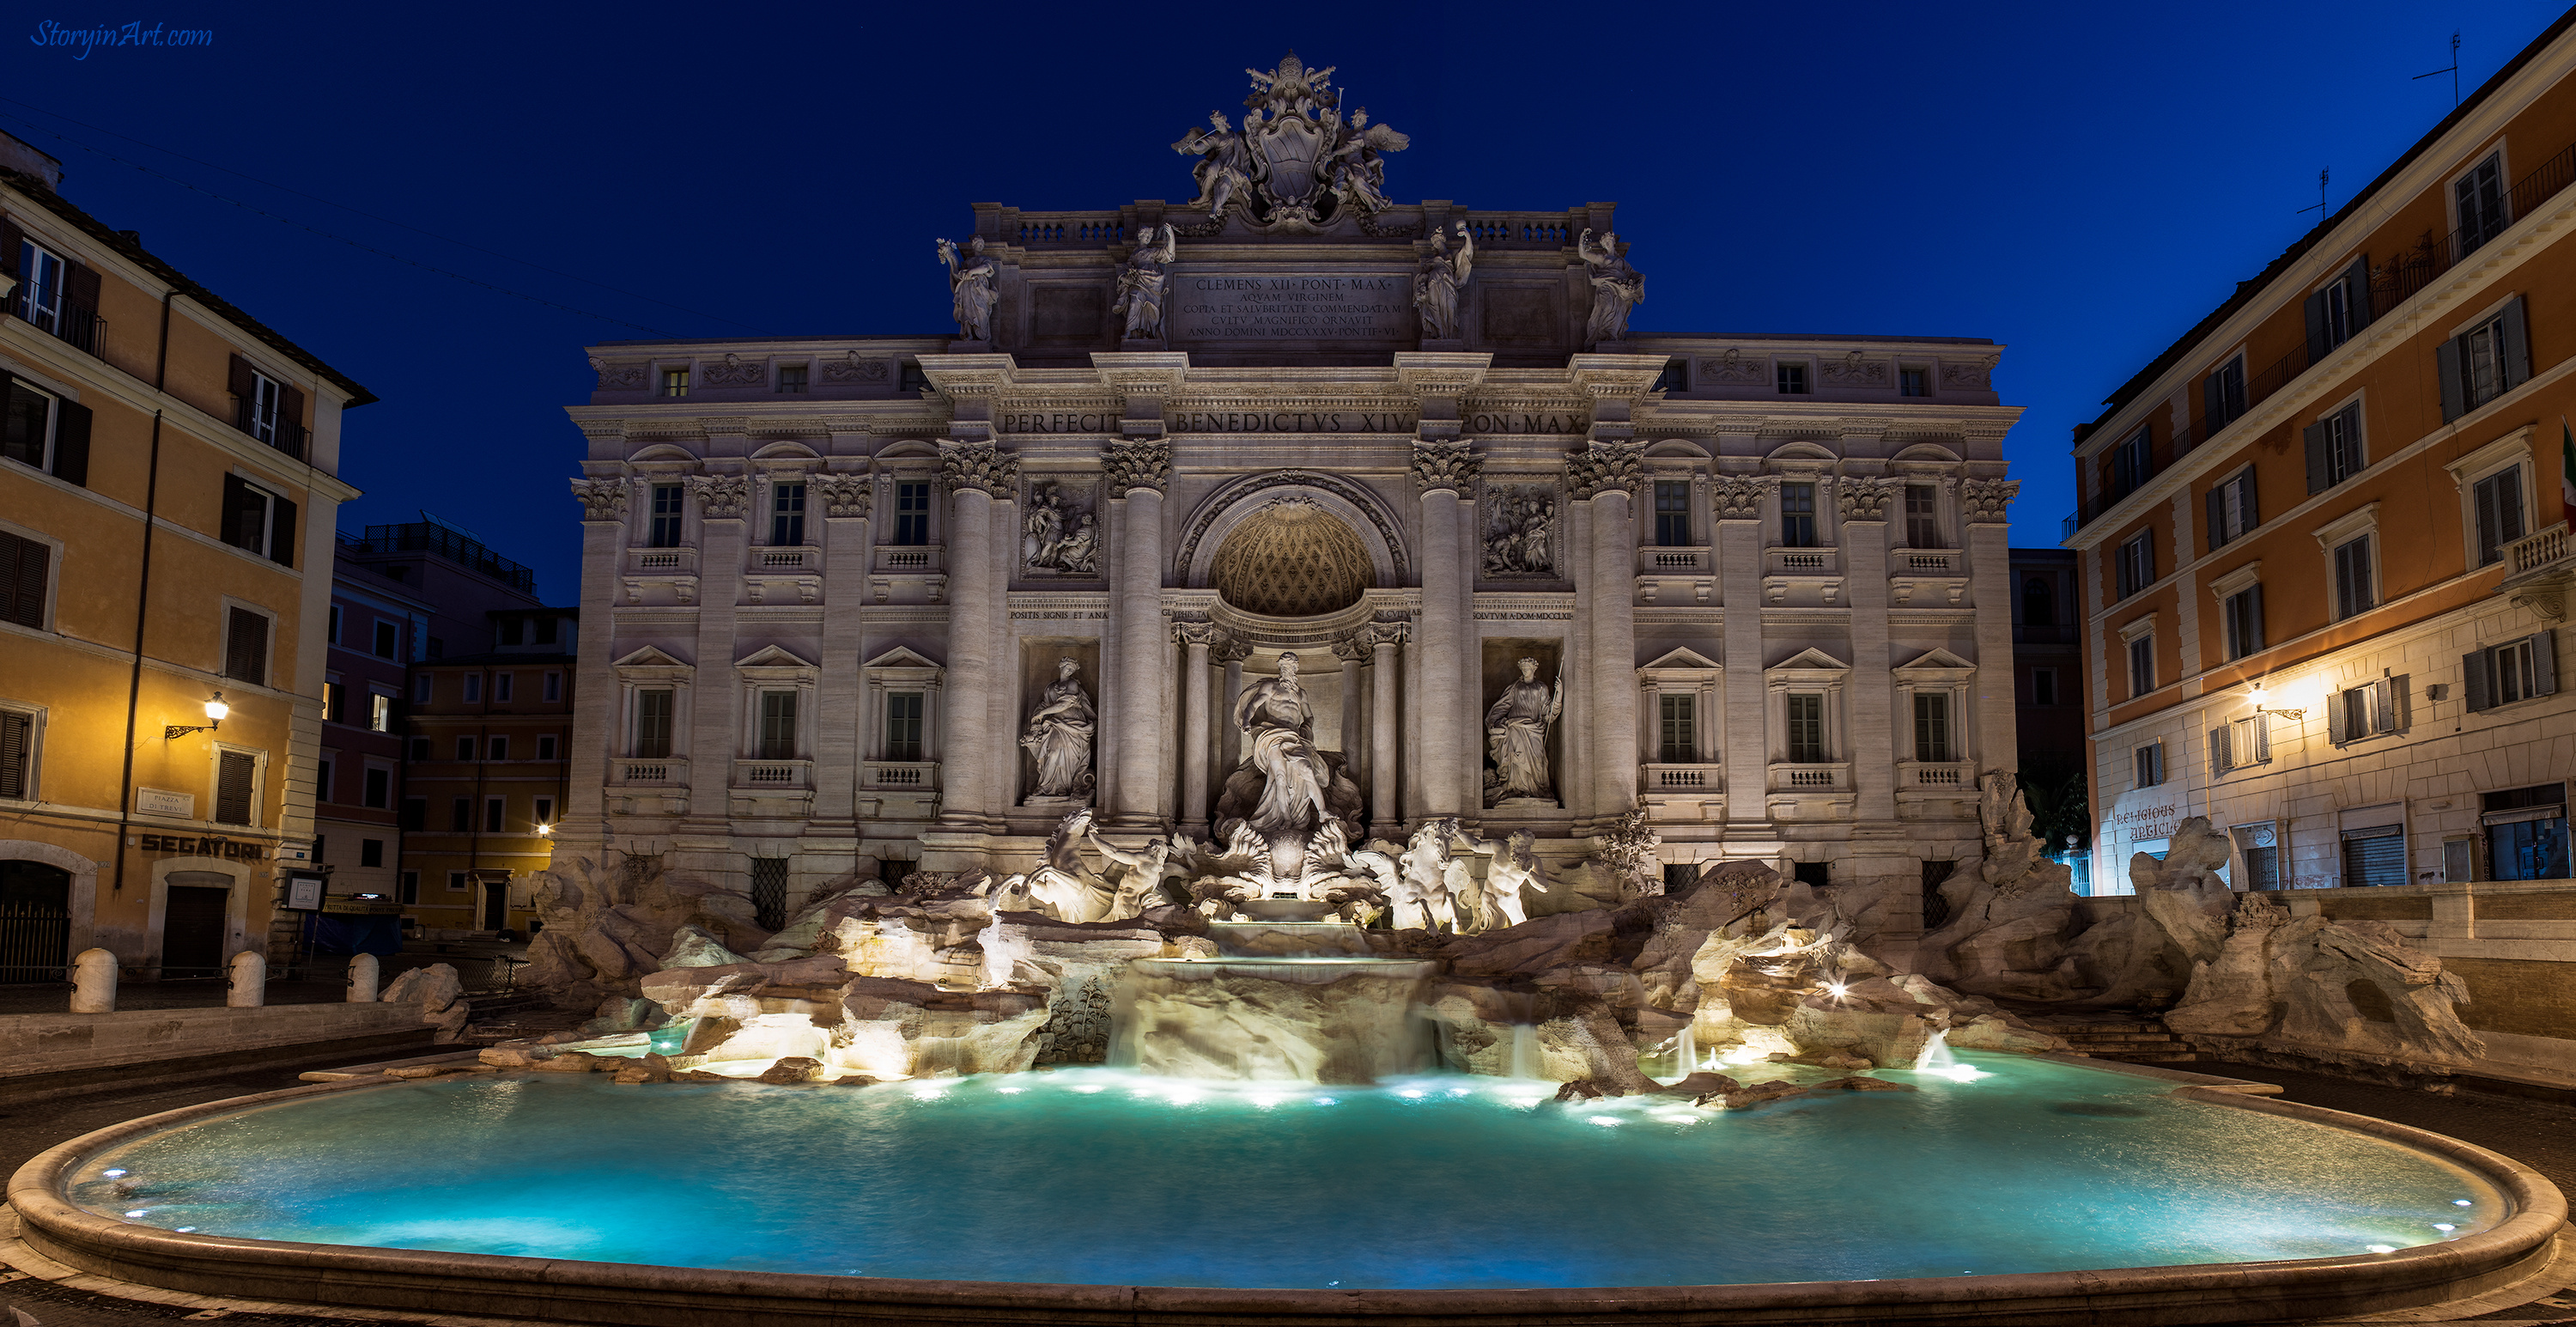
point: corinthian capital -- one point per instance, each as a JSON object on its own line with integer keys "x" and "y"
{"x": 1866, "y": 499}
{"x": 1607, "y": 467}
{"x": 601, "y": 499}
{"x": 1205, "y": 634}
{"x": 845, "y": 495}
{"x": 1984, "y": 500}
{"x": 721, "y": 497}
{"x": 1449, "y": 465}
{"x": 979, "y": 466}
{"x": 1133, "y": 465}
{"x": 1739, "y": 497}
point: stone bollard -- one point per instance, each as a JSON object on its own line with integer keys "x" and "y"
{"x": 250, "y": 980}
{"x": 94, "y": 982}
{"x": 362, "y": 979}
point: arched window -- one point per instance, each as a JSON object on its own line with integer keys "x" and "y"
{"x": 35, "y": 921}
{"x": 2038, "y": 602}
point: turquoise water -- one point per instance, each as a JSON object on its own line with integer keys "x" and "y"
{"x": 1105, "y": 1177}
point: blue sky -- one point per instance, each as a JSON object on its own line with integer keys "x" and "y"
{"x": 2079, "y": 182}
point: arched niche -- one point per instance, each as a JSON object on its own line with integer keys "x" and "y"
{"x": 1375, "y": 528}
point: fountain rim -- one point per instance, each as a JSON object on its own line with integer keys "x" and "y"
{"x": 2515, "y": 1250}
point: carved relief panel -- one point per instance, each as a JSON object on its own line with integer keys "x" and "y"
{"x": 1517, "y": 529}
{"x": 1060, "y": 532}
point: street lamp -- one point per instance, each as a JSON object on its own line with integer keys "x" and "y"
{"x": 2261, "y": 695}
{"x": 216, "y": 709}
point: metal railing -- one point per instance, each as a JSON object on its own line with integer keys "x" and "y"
{"x": 35, "y": 941}
{"x": 423, "y": 537}
{"x": 284, "y": 434}
{"x": 75, "y": 325}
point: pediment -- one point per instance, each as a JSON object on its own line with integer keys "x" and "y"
{"x": 1681, "y": 658}
{"x": 651, "y": 657}
{"x": 771, "y": 656}
{"x": 900, "y": 657}
{"x": 1811, "y": 660}
{"x": 1935, "y": 658}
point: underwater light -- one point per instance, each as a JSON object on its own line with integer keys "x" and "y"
{"x": 138, "y": 1211}
{"x": 1324, "y": 1101}
{"x": 1010, "y": 1091}
{"x": 2459, "y": 1202}
{"x": 1605, "y": 1121}
{"x": 187, "y": 1230}
{"x": 1089, "y": 1087}
{"x": 2381, "y": 1248}
{"x": 113, "y": 1174}
{"x": 1412, "y": 1094}
{"x": 2444, "y": 1226}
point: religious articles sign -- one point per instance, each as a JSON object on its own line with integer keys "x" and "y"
{"x": 1275, "y": 307}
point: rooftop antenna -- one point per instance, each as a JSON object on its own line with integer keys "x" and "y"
{"x": 2453, "y": 71}
{"x": 2320, "y": 208}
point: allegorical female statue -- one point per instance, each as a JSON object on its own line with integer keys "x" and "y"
{"x": 1140, "y": 287}
{"x": 1059, "y": 736}
{"x": 970, "y": 288}
{"x": 1617, "y": 288}
{"x": 1279, "y": 733}
{"x": 1437, "y": 283}
{"x": 1516, "y": 736}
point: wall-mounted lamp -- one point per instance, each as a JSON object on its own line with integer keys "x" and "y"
{"x": 216, "y": 709}
{"x": 2261, "y": 695}
{"x": 544, "y": 830}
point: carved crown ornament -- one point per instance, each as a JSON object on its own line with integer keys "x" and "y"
{"x": 979, "y": 466}
{"x": 845, "y": 495}
{"x": 721, "y": 497}
{"x": 1450, "y": 465}
{"x": 1606, "y": 468}
{"x": 1296, "y": 163}
{"x": 601, "y": 499}
{"x": 1739, "y": 497}
{"x": 1867, "y": 499}
{"x": 735, "y": 371}
{"x": 1132, "y": 465}
{"x": 1983, "y": 501}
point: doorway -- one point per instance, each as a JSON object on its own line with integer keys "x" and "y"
{"x": 496, "y": 904}
{"x": 35, "y": 921}
{"x": 192, "y": 924}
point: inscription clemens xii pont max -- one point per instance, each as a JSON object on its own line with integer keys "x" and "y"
{"x": 1217, "y": 307}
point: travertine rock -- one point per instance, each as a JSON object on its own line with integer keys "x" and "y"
{"x": 1859, "y": 1084}
{"x": 2351, "y": 992}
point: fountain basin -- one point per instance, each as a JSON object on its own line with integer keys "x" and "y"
{"x": 1089, "y": 1196}
{"x": 1308, "y": 971}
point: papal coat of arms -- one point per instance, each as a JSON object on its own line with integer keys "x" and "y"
{"x": 1296, "y": 164}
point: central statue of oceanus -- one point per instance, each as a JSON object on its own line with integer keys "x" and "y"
{"x": 1289, "y": 807}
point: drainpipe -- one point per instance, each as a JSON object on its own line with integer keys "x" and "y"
{"x": 142, "y": 611}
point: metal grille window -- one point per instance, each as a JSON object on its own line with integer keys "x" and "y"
{"x": 662, "y": 529}
{"x": 2375, "y": 856}
{"x": 236, "y": 774}
{"x": 1806, "y": 729}
{"x": 777, "y": 725}
{"x": 1922, "y": 516}
{"x": 787, "y": 514}
{"x": 912, "y": 513}
{"x": 246, "y": 646}
{"x": 769, "y": 892}
{"x": 17, "y": 754}
{"x": 1797, "y": 515}
{"x": 1932, "y": 727}
{"x": 1672, "y": 514}
{"x": 2260, "y": 845}
{"x": 903, "y": 725}
{"x": 2498, "y": 499}
{"x": 1677, "y": 720}
{"x": 2355, "y": 587}
{"x": 653, "y": 724}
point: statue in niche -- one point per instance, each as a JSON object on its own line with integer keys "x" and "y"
{"x": 1516, "y": 535}
{"x": 1290, "y": 810}
{"x": 1225, "y": 162}
{"x": 1279, "y": 733}
{"x": 1057, "y": 534}
{"x": 1140, "y": 287}
{"x": 1437, "y": 282}
{"x": 1059, "y": 736}
{"x": 970, "y": 288}
{"x": 1516, "y": 737}
{"x": 1617, "y": 288}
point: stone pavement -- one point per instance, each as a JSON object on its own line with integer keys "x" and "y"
{"x": 2538, "y": 1134}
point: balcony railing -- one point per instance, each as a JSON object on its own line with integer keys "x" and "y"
{"x": 785, "y": 559}
{"x": 773, "y": 775}
{"x": 900, "y": 775}
{"x": 633, "y": 772}
{"x": 284, "y": 434}
{"x": 1800, "y": 777}
{"x": 1685, "y": 778}
{"x": 1801, "y": 561}
{"x": 1926, "y": 562}
{"x": 2545, "y": 553}
{"x": 1941, "y": 775}
{"x": 911, "y": 557}
{"x": 452, "y": 544}
{"x": 662, "y": 561}
{"x": 1652, "y": 560}
{"x": 75, "y": 325}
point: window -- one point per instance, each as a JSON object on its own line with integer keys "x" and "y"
{"x": 2374, "y": 856}
{"x": 777, "y": 725}
{"x": 17, "y": 755}
{"x": 1792, "y": 379}
{"x": 2149, "y": 763}
{"x": 502, "y": 685}
{"x": 380, "y": 713}
{"x": 2222, "y": 395}
{"x": 2231, "y": 508}
{"x": 1674, "y": 378}
{"x": 420, "y": 750}
{"x": 2243, "y": 612}
{"x": 323, "y": 783}
{"x": 1797, "y": 515}
{"x": 675, "y": 382}
{"x": 547, "y": 627}
{"x": 258, "y": 521}
{"x": 415, "y": 813}
{"x": 545, "y": 812}
{"x": 335, "y": 624}
{"x": 1922, "y": 516}
{"x": 2354, "y": 586}
{"x": 22, "y": 580}
{"x": 456, "y": 882}
{"x": 2514, "y": 671}
{"x": 2038, "y": 602}
{"x": 2240, "y": 744}
{"x": 436, "y": 648}
{"x": 472, "y": 688}
{"x": 497, "y": 747}
{"x": 769, "y": 892}
{"x": 2134, "y": 565}
{"x": 2526, "y": 832}
{"x": 1806, "y": 728}
{"x": 465, "y": 748}
{"x": 2142, "y": 666}
{"x": 2334, "y": 448}
{"x": 653, "y": 724}
{"x": 1677, "y": 721}
{"x": 2481, "y": 200}
{"x": 554, "y": 685}
{"x": 246, "y": 646}
{"x": 909, "y": 377}
{"x": 46, "y": 432}
{"x": 2132, "y": 463}
{"x": 903, "y": 725}
{"x": 388, "y": 640}
{"x": 371, "y": 852}
{"x": 257, "y": 401}
{"x": 2340, "y": 309}
{"x": 2498, "y": 501}
{"x": 41, "y": 272}
{"x": 492, "y": 811}
{"x": 2260, "y": 845}
{"x": 546, "y": 746}
{"x": 335, "y": 702}
{"x": 2367, "y": 710}
{"x": 460, "y": 815}
{"x": 2486, "y": 361}
{"x": 420, "y": 689}
{"x": 2043, "y": 686}
{"x": 236, "y": 773}
{"x": 510, "y": 630}
{"x": 1932, "y": 727}
{"x": 912, "y": 513}
{"x": 410, "y": 888}
{"x": 787, "y": 514}
{"x": 380, "y": 783}
{"x": 791, "y": 378}
{"x": 1672, "y": 513}
{"x": 1913, "y": 382}
{"x": 662, "y": 529}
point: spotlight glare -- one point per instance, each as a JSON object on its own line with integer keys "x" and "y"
{"x": 2381, "y": 1248}
{"x": 138, "y": 1212}
{"x": 113, "y": 1174}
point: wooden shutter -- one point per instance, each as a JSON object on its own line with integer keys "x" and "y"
{"x": 2253, "y": 618}
{"x": 2213, "y": 402}
{"x": 2251, "y": 510}
{"x": 80, "y": 286}
{"x": 2217, "y": 517}
{"x": 281, "y": 531}
{"x": 2446, "y": 366}
{"x": 2383, "y": 708}
{"x": 13, "y": 243}
{"x": 17, "y": 738}
{"x": 2314, "y": 435}
{"x": 2401, "y": 701}
{"x": 2356, "y": 287}
{"x": 71, "y": 442}
{"x": 242, "y": 382}
{"x": 233, "y": 777}
{"x": 2219, "y": 754}
{"x": 246, "y": 647}
{"x": 22, "y": 581}
{"x": 2517, "y": 346}
{"x": 237, "y": 496}
{"x": 2477, "y": 679}
{"x": 291, "y": 436}
{"x": 2156, "y": 761}
{"x": 2544, "y": 666}
{"x": 2262, "y": 739}
{"x": 2315, "y": 308}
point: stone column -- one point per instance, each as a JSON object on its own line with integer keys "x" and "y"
{"x": 974, "y": 471}
{"x": 1982, "y": 504}
{"x": 1607, "y": 476}
{"x": 1382, "y": 640}
{"x": 1443, "y": 471}
{"x": 1137, "y": 473}
{"x": 1351, "y": 650}
{"x": 1738, "y": 517}
{"x": 1233, "y": 652}
{"x": 595, "y": 739}
{"x": 1877, "y": 740}
{"x": 845, "y": 501}
{"x": 715, "y": 708}
{"x": 1196, "y": 707}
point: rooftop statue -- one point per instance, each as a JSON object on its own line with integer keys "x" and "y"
{"x": 1140, "y": 287}
{"x": 1617, "y": 288}
{"x": 970, "y": 286}
{"x": 1295, "y": 163}
{"x": 1437, "y": 282}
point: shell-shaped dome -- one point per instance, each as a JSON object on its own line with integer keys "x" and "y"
{"x": 1291, "y": 559}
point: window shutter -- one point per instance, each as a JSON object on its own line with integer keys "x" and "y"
{"x": 2356, "y": 288}
{"x": 2217, "y": 517}
{"x": 13, "y": 243}
{"x": 2213, "y": 402}
{"x": 2316, "y": 311}
{"x": 2218, "y": 753}
{"x": 236, "y": 496}
{"x": 71, "y": 443}
{"x": 290, "y": 405}
{"x": 2262, "y": 738}
{"x": 2544, "y": 666}
{"x": 2253, "y": 618}
{"x": 239, "y": 382}
{"x": 2156, "y": 760}
{"x": 2360, "y": 446}
{"x": 2335, "y": 714}
{"x": 232, "y": 788}
{"x": 2245, "y": 498}
{"x": 2446, "y": 366}
{"x": 2401, "y": 701}
{"x": 2517, "y": 346}
{"x": 281, "y": 532}
{"x": 2477, "y": 679}
{"x": 246, "y": 647}
{"x": 2383, "y": 714}
{"x": 80, "y": 283}
{"x": 22, "y": 581}
{"x": 2489, "y": 521}
{"x": 2314, "y": 435}
{"x": 17, "y": 732}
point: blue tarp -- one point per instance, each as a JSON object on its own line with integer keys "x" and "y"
{"x": 352, "y": 933}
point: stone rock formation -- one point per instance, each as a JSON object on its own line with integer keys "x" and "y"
{"x": 440, "y": 995}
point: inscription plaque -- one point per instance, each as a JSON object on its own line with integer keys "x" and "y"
{"x": 1314, "y": 306}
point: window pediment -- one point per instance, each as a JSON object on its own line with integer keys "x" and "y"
{"x": 2237, "y": 580}
{"x": 1936, "y": 666}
